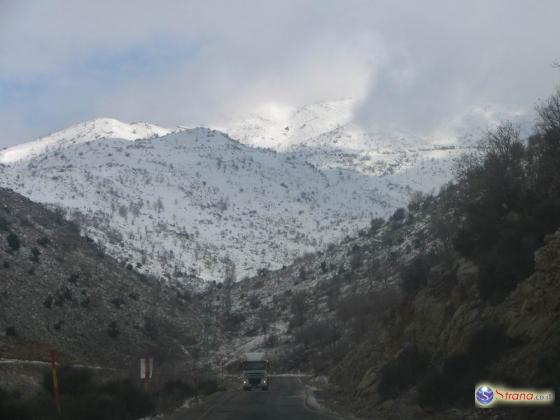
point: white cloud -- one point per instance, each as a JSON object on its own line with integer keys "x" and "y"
{"x": 415, "y": 65}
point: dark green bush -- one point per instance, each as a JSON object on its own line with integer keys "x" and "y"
{"x": 486, "y": 345}
{"x": 398, "y": 215}
{"x": 415, "y": 275}
{"x": 208, "y": 386}
{"x": 12, "y": 407}
{"x": 43, "y": 241}
{"x": 435, "y": 389}
{"x": 80, "y": 400}
{"x": 403, "y": 372}
{"x": 132, "y": 400}
{"x": 174, "y": 393}
{"x": 4, "y": 225}
{"x": 508, "y": 199}
{"x": 35, "y": 253}
{"x": 13, "y": 241}
{"x": 113, "y": 330}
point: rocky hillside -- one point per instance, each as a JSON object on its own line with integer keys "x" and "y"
{"x": 406, "y": 317}
{"x": 59, "y": 291}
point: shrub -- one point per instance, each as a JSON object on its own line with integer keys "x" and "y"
{"x": 208, "y": 386}
{"x": 175, "y": 392}
{"x": 72, "y": 381}
{"x": 298, "y": 308}
{"x": 356, "y": 261}
{"x": 415, "y": 275}
{"x": 402, "y": 372}
{"x": 398, "y": 215}
{"x": 4, "y": 225}
{"x": 508, "y": 198}
{"x": 43, "y": 241}
{"x": 12, "y": 407}
{"x": 13, "y": 241}
{"x": 113, "y": 330}
{"x": 118, "y": 302}
{"x": 35, "y": 253}
{"x": 375, "y": 225}
{"x": 450, "y": 385}
{"x": 319, "y": 334}
{"x": 486, "y": 345}
{"x": 233, "y": 321}
{"x": 363, "y": 310}
{"x": 457, "y": 365}
{"x": 131, "y": 401}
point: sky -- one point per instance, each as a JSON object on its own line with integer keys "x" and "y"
{"x": 411, "y": 65}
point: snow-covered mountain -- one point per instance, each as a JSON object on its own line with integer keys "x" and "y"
{"x": 178, "y": 204}
{"x": 326, "y": 135}
{"x": 181, "y": 203}
{"x": 101, "y": 128}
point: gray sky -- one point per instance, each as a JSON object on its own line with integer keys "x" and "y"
{"x": 415, "y": 65}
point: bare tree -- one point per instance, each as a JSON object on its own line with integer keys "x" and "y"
{"x": 549, "y": 113}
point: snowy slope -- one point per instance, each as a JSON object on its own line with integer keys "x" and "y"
{"x": 179, "y": 204}
{"x": 100, "y": 128}
{"x": 326, "y": 135}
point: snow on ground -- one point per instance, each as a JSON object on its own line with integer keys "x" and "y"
{"x": 100, "y": 128}
{"x": 177, "y": 205}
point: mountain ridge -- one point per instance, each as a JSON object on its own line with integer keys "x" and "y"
{"x": 192, "y": 199}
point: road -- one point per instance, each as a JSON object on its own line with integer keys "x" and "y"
{"x": 286, "y": 399}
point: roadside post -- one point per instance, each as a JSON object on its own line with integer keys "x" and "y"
{"x": 146, "y": 370}
{"x": 56, "y": 393}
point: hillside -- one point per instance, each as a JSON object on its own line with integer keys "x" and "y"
{"x": 59, "y": 291}
{"x": 405, "y": 318}
{"x": 180, "y": 205}
{"x": 101, "y": 128}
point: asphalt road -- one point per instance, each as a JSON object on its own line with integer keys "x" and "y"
{"x": 286, "y": 399}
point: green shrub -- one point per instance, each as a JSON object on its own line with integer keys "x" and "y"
{"x": 486, "y": 345}
{"x": 208, "y": 386}
{"x": 13, "y": 242}
{"x": 450, "y": 386}
{"x": 174, "y": 393}
{"x": 402, "y": 372}
{"x": 414, "y": 276}
{"x": 35, "y": 253}
{"x": 4, "y": 225}
{"x": 113, "y": 330}
{"x": 12, "y": 407}
{"x": 398, "y": 215}
{"x": 131, "y": 399}
{"x": 43, "y": 241}
{"x": 435, "y": 389}
{"x": 508, "y": 199}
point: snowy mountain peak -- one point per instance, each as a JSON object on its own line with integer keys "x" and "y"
{"x": 100, "y": 128}
{"x": 282, "y": 127}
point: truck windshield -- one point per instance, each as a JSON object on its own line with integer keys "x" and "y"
{"x": 254, "y": 366}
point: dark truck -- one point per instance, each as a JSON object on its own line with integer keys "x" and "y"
{"x": 255, "y": 372}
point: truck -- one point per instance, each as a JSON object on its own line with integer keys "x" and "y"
{"x": 255, "y": 372}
